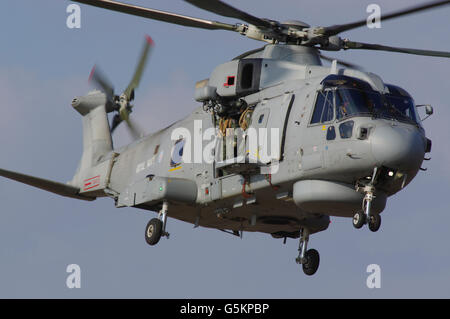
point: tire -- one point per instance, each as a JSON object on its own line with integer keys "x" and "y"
{"x": 312, "y": 262}
{"x": 374, "y": 222}
{"x": 359, "y": 219}
{"x": 153, "y": 231}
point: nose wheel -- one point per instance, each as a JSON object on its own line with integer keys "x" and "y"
{"x": 359, "y": 219}
{"x": 156, "y": 227}
{"x": 309, "y": 259}
{"x": 373, "y": 221}
{"x": 367, "y": 216}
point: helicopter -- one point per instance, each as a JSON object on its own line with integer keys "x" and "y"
{"x": 278, "y": 143}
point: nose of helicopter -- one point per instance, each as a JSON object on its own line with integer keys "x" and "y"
{"x": 398, "y": 147}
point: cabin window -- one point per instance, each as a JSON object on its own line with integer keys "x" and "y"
{"x": 177, "y": 153}
{"x": 331, "y": 133}
{"x": 324, "y": 108}
{"x": 248, "y": 76}
{"x": 261, "y": 118}
{"x": 230, "y": 81}
{"x": 346, "y": 129}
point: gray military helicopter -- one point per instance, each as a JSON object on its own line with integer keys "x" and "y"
{"x": 341, "y": 140}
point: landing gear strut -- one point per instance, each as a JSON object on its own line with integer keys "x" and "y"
{"x": 309, "y": 259}
{"x": 367, "y": 216}
{"x": 156, "y": 227}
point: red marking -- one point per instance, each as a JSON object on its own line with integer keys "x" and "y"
{"x": 91, "y": 178}
{"x": 91, "y": 182}
{"x": 92, "y": 73}
{"x": 206, "y": 191}
{"x": 230, "y": 81}
{"x": 149, "y": 40}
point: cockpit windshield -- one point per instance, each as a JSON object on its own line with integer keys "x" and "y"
{"x": 350, "y": 102}
{"x": 353, "y": 97}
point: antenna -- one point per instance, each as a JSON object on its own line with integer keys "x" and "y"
{"x": 333, "y": 69}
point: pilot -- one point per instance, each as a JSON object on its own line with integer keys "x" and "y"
{"x": 370, "y": 105}
{"x": 342, "y": 110}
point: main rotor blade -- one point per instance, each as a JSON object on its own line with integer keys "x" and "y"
{"x": 335, "y": 29}
{"x": 101, "y": 82}
{"x": 378, "y": 47}
{"x": 158, "y": 15}
{"x": 341, "y": 62}
{"x": 139, "y": 69}
{"x": 223, "y": 9}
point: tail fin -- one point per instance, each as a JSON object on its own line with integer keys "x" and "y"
{"x": 92, "y": 176}
{"x": 96, "y": 161}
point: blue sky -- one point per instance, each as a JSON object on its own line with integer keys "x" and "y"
{"x": 43, "y": 65}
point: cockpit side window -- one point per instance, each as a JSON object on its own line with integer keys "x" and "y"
{"x": 402, "y": 103}
{"x": 324, "y": 108}
{"x": 404, "y": 106}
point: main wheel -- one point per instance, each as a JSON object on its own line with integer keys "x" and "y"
{"x": 311, "y": 263}
{"x": 359, "y": 219}
{"x": 153, "y": 231}
{"x": 374, "y": 222}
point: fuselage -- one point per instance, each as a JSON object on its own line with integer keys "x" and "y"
{"x": 338, "y": 147}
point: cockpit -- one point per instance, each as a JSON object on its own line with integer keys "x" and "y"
{"x": 343, "y": 97}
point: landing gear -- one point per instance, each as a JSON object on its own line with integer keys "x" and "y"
{"x": 311, "y": 263}
{"x": 367, "y": 216}
{"x": 156, "y": 227}
{"x": 153, "y": 231}
{"x": 309, "y": 259}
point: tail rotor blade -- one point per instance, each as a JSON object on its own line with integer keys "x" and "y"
{"x": 122, "y": 102}
{"x": 101, "y": 82}
{"x": 135, "y": 131}
{"x": 115, "y": 122}
{"x": 129, "y": 92}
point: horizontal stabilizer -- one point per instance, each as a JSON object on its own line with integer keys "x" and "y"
{"x": 47, "y": 185}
